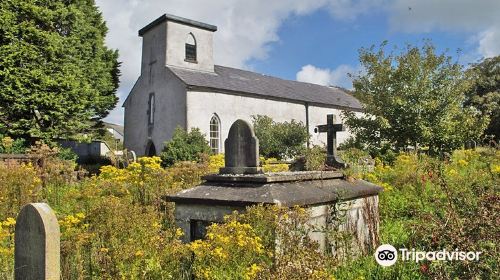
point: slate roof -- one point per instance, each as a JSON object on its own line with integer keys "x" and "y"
{"x": 259, "y": 85}
{"x": 118, "y": 128}
{"x": 288, "y": 194}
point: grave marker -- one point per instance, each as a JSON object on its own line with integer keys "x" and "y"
{"x": 331, "y": 130}
{"x": 37, "y": 243}
{"x": 241, "y": 150}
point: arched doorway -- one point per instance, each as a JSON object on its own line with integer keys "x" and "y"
{"x": 150, "y": 149}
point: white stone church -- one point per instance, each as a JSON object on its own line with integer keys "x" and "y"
{"x": 179, "y": 85}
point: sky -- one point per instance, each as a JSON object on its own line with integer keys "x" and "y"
{"x": 305, "y": 40}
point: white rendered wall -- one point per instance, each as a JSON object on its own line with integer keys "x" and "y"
{"x": 177, "y": 35}
{"x": 317, "y": 116}
{"x": 202, "y": 105}
{"x": 154, "y": 44}
{"x": 170, "y": 111}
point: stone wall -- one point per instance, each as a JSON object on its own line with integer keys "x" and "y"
{"x": 185, "y": 213}
{"x": 358, "y": 217}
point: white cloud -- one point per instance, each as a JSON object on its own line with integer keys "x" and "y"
{"x": 489, "y": 42}
{"x": 480, "y": 17}
{"x": 350, "y": 9}
{"x": 246, "y": 28}
{"x": 311, "y": 74}
{"x": 327, "y": 77}
{"x": 458, "y": 15}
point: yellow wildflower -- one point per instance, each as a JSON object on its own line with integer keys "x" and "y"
{"x": 386, "y": 186}
{"x": 80, "y": 216}
{"x": 139, "y": 253}
{"x": 252, "y": 271}
{"x": 9, "y": 222}
{"x": 104, "y": 250}
{"x": 179, "y": 233}
{"x": 495, "y": 168}
{"x": 155, "y": 225}
{"x": 219, "y": 252}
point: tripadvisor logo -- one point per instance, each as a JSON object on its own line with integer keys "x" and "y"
{"x": 387, "y": 255}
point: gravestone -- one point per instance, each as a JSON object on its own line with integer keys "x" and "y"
{"x": 331, "y": 129}
{"x": 37, "y": 243}
{"x": 241, "y": 150}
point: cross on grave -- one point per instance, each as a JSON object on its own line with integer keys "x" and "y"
{"x": 331, "y": 130}
{"x": 241, "y": 150}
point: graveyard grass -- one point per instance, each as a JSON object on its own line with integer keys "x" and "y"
{"x": 116, "y": 226}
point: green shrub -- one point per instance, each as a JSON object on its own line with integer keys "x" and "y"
{"x": 67, "y": 154}
{"x": 431, "y": 205}
{"x": 280, "y": 140}
{"x": 383, "y": 151}
{"x": 315, "y": 158}
{"x": 184, "y": 146}
{"x": 12, "y": 146}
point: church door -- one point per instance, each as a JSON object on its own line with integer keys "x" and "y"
{"x": 150, "y": 149}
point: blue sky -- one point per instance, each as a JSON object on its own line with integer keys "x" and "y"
{"x": 312, "y": 41}
{"x": 320, "y": 40}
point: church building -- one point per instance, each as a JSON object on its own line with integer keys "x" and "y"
{"x": 180, "y": 86}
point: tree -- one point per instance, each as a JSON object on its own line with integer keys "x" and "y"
{"x": 413, "y": 98}
{"x": 485, "y": 93}
{"x": 57, "y": 78}
{"x": 279, "y": 140}
{"x": 185, "y": 146}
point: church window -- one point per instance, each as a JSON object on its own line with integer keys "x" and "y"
{"x": 191, "y": 48}
{"x": 215, "y": 134}
{"x": 151, "y": 109}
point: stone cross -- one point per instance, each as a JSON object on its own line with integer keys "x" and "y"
{"x": 37, "y": 243}
{"x": 241, "y": 150}
{"x": 331, "y": 130}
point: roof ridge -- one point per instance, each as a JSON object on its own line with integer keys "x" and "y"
{"x": 287, "y": 80}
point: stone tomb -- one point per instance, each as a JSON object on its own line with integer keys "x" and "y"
{"x": 223, "y": 193}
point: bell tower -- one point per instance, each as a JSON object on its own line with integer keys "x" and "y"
{"x": 178, "y": 42}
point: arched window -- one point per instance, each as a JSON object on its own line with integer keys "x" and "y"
{"x": 215, "y": 134}
{"x": 191, "y": 48}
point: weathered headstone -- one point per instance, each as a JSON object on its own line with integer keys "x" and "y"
{"x": 37, "y": 243}
{"x": 241, "y": 150}
{"x": 331, "y": 130}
